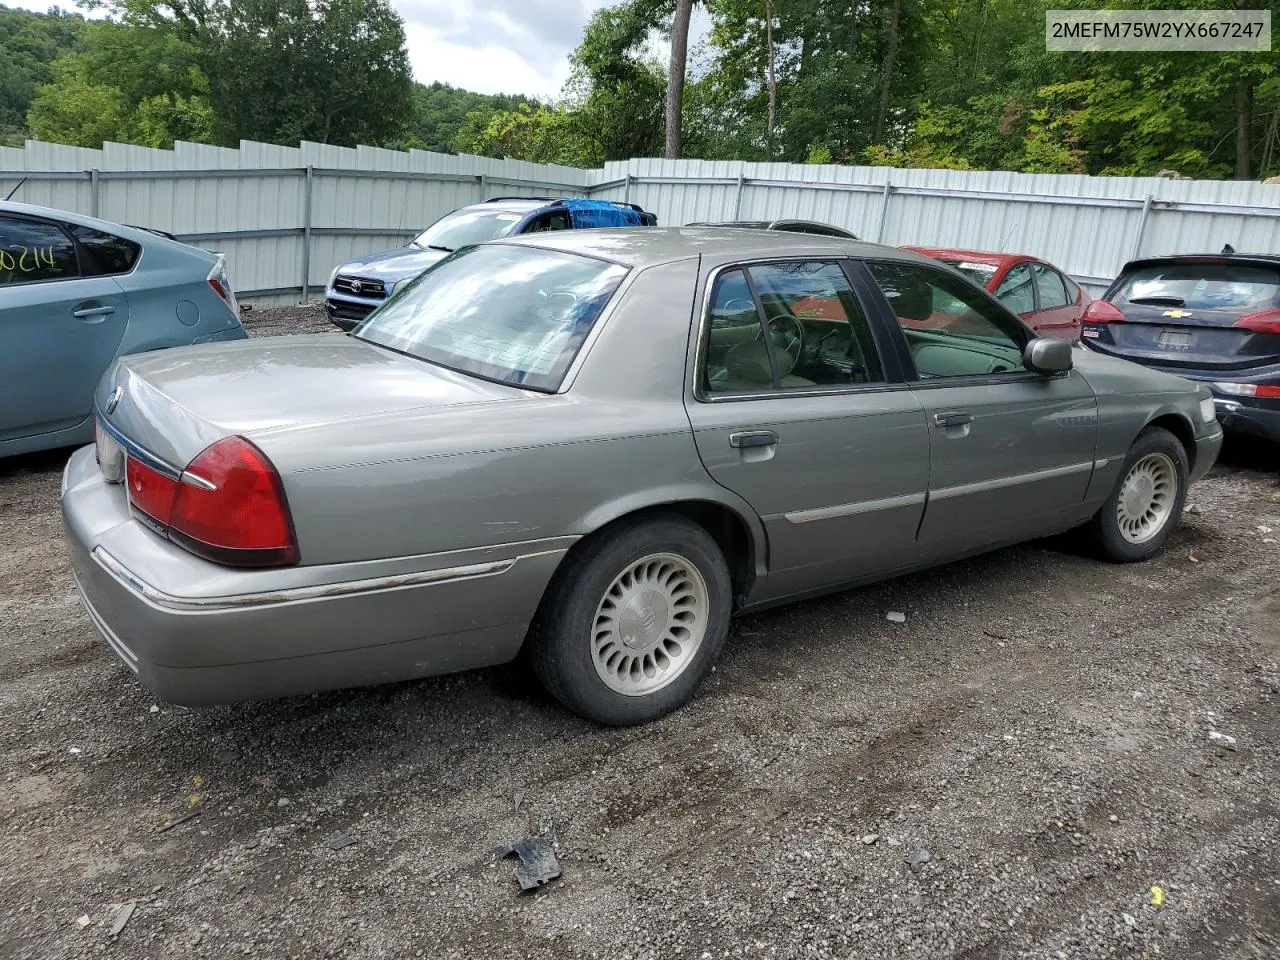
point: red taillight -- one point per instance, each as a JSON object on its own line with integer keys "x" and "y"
{"x": 1266, "y": 322}
{"x": 219, "y": 289}
{"x": 1101, "y": 312}
{"x": 229, "y": 506}
{"x": 150, "y": 491}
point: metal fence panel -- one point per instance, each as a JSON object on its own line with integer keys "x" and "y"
{"x": 285, "y": 216}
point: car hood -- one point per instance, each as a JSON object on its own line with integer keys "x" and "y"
{"x": 392, "y": 265}
{"x": 176, "y": 402}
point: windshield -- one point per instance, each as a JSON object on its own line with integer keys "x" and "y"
{"x": 513, "y": 314}
{"x": 980, "y": 273}
{"x": 1202, "y": 286}
{"x": 465, "y": 227}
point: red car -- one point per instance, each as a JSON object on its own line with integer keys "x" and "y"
{"x": 1047, "y": 300}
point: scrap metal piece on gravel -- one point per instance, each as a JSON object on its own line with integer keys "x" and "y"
{"x": 538, "y": 863}
{"x": 123, "y": 917}
{"x": 338, "y": 840}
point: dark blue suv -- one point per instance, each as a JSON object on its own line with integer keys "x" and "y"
{"x": 355, "y": 289}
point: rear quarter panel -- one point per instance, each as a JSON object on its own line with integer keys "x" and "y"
{"x": 170, "y": 300}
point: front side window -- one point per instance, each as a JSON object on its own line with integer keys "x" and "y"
{"x": 33, "y": 251}
{"x": 555, "y": 220}
{"x": 787, "y": 325}
{"x": 104, "y": 253}
{"x": 465, "y": 227}
{"x": 1053, "y": 293}
{"x": 1015, "y": 290}
{"x": 508, "y": 313}
{"x": 951, "y": 328}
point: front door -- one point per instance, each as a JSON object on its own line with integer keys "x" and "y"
{"x": 800, "y": 408}
{"x": 1011, "y": 451}
{"x": 58, "y": 330}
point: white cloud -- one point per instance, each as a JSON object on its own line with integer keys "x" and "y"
{"x": 492, "y": 46}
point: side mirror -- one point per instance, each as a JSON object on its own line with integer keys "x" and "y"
{"x": 1047, "y": 356}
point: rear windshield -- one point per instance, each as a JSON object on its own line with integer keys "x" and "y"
{"x": 513, "y": 314}
{"x": 979, "y": 273}
{"x": 1201, "y": 286}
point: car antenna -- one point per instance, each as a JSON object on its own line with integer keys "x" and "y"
{"x": 10, "y": 194}
{"x": 1008, "y": 238}
{"x": 1228, "y": 248}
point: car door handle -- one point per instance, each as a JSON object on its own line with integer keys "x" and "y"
{"x": 98, "y": 311}
{"x": 952, "y": 418}
{"x": 752, "y": 438}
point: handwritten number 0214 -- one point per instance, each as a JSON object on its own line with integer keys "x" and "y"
{"x": 26, "y": 259}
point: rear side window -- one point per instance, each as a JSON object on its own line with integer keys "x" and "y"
{"x": 1201, "y": 286}
{"x": 1015, "y": 290}
{"x": 34, "y": 251}
{"x": 104, "y": 253}
{"x": 1050, "y": 286}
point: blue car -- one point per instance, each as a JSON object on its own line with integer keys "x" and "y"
{"x": 75, "y": 294}
{"x": 357, "y": 288}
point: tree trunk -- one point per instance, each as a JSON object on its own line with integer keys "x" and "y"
{"x": 773, "y": 77}
{"x": 675, "y": 76}
{"x": 1244, "y": 128}
{"x": 886, "y": 78}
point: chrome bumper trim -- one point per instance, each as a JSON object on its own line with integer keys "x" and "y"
{"x": 324, "y": 591}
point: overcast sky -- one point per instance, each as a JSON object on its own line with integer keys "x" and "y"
{"x": 491, "y": 46}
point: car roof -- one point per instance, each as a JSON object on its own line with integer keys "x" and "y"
{"x": 136, "y": 234}
{"x": 1263, "y": 259}
{"x": 976, "y": 256}
{"x": 646, "y": 246}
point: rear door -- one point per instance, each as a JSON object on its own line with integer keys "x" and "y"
{"x": 1206, "y": 313}
{"x": 59, "y": 329}
{"x": 799, "y": 406}
{"x": 1011, "y": 451}
{"x": 1057, "y": 313}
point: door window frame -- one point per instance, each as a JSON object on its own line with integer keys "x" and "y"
{"x": 895, "y": 375}
{"x": 889, "y": 320}
{"x": 1031, "y": 277}
{"x": 1040, "y": 265}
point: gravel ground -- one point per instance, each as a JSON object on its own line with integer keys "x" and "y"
{"x": 1009, "y": 773}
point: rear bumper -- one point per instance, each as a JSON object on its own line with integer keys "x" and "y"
{"x": 1259, "y": 418}
{"x": 252, "y": 639}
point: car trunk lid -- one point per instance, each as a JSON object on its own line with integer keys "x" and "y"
{"x": 175, "y": 403}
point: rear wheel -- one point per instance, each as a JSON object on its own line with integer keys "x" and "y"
{"x": 633, "y": 621}
{"x": 1146, "y": 503}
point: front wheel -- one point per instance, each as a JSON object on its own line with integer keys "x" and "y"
{"x": 633, "y": 621}
{"x": 1138, "y": 517}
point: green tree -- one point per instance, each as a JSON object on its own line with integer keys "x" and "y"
{"x": 125, "y": 83}
{"x": 30, "y": 43}
{"x": 334, "y": 71}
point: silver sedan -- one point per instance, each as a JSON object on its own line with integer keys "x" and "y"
{"x": 595, "y": 447}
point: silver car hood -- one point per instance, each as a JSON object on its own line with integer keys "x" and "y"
{"x": 176, "y": 402}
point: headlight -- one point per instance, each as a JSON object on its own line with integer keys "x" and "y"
{"x": 1207, "y": 412}
{"x": 332, "y": 275}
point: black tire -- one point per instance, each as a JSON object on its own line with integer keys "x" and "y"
{"x": 1105, "y": 528}
{"x": 560, "y": 641}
